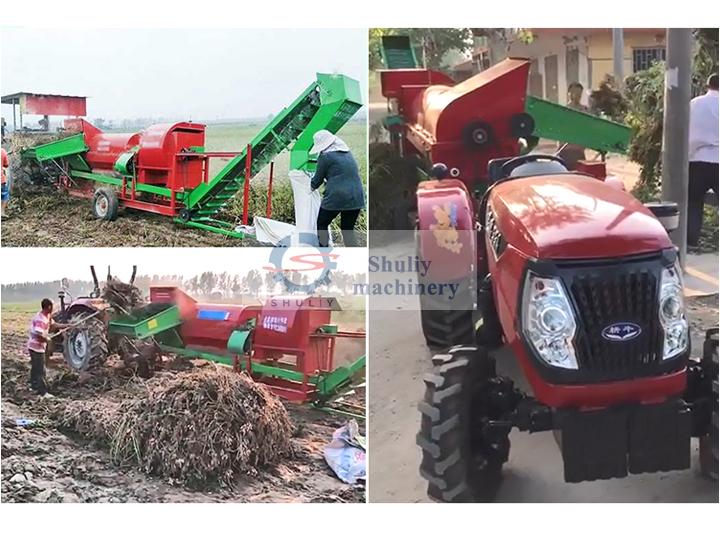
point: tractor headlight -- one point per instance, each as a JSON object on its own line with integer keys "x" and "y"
{"x": 672, "y": 312}
{"x": 548, "y": 321}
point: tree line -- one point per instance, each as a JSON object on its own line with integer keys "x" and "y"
{"x": 208, "y": 285}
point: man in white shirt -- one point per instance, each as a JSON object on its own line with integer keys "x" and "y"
{"x": 703, "y": 156}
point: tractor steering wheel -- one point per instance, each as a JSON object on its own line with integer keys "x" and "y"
{"x": 512, "y": 164}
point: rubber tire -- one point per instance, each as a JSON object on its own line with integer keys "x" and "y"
{"x": 96, "y": 335}
{"x": 445, "y": 428}
{"x": 112, "y": 204}
{"x": 709, "y": 443}
{"x": 442, "y": 327}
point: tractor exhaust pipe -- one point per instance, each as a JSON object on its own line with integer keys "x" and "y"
{"x": 132, "y": 277}
{"x": 96, "y": 290}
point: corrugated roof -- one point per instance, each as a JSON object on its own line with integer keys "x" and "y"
{"x": 10, "y": 97}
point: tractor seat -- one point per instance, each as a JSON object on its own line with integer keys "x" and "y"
{"x": 534, "y": 168}
{"x": 538, "y": 168}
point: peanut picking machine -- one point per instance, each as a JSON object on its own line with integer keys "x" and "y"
{"x": 288, "y": 343}
{"x": 165, "y": 168}
{"x": 465, "y": 125}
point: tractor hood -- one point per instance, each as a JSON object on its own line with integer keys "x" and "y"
{"x": 571, "y": 216}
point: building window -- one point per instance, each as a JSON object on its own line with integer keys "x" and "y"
{"x": 644, "y": 57}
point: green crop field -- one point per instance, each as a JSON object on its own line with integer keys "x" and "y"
{"x": 233, "y": 137}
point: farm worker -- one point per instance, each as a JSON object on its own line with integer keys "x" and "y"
{"x": 40, "y": 327}
{"x": 572, "y": 153}
{"x": 5, "y": 186}
{"x": 337, "y": 168}
{"x": 703, "y": 156}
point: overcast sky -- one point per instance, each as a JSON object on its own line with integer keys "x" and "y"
{"x": 178, "y": 73}
{"x": 30, "y": 264}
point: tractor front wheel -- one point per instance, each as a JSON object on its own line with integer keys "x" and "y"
{"x": 463, "y": 434}
{"x": 86, "y": 346}
{"x": 105, "y": 204}
{"x": 709, "y": 442}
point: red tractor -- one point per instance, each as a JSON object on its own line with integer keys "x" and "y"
{"x": 86, "y": 343}
{"x": 571, "y": 273}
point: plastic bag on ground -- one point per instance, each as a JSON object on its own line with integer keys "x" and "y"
{"x": 346, "y": 453}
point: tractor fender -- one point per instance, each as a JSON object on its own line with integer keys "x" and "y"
{"x": 446, "y": 230}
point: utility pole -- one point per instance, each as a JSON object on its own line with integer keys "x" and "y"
{"x": 618, "y": 47}
{"x": 676, "y": 124}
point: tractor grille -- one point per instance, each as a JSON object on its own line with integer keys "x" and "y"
{"x": 493, "y": 233}
{"x": 611, "y": 295}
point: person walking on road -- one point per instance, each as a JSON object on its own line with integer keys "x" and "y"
{"x": 40, "y": 327}
{"x": 338, "y": 170}
{"x": 703, "y": 156}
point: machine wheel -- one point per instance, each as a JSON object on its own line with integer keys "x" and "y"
{"x": 522, "y": 125}
{"x": 709, "y": 442}
{"x": 87, "y": 345}
{"x": 105, "y": 204}
{"x": 477, "y": 133}
{"x": 184, "y": 215}
{"x": 462, "y": 461}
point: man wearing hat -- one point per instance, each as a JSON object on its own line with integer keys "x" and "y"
{"x": 343, "y": 196}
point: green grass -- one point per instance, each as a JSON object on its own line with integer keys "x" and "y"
{"x": 234, "y": 137}
{"x": 20, "y": 307}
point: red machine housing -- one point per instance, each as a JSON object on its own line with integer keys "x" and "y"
{"x": 289, "y": 334}
{"x": 286, "y": 332}
{"x": 441, "y": 116}
{"x": 205, "y": 326}
{"x": 156, "y": 149}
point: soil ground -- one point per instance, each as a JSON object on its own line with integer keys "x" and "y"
{"x": 43, "y": 463}
{"x": 534, "y": 471}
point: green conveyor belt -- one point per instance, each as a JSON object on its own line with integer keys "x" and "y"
{"x": 328, "y": 103}
{"x": 560, "y": 123}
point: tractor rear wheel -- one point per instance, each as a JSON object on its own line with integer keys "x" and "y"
{"x": 86, "y": 346}
{"x": 709, "y": 442}
{"x": 105, "y": 204}
{"x": 463, "y": 444}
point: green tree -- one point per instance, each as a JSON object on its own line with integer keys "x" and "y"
{"x": 433, "y": 43}
{"x": 645, "y": 94}
{"x": 254, "y": 281}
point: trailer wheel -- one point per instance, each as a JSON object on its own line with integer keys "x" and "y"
{"x": 105, "y": 204}
{"x": 462, "y": 458}
{"x": 709, "y": 442}
{"x": 86, "y": 346}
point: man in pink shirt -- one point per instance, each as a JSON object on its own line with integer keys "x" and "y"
{"x": 40, "y": 327}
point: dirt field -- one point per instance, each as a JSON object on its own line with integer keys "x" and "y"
{"x": 41, "y": 463}
{"x": 534, "y": 471}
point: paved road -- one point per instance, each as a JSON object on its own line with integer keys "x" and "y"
{"x": 534, "y": 472}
